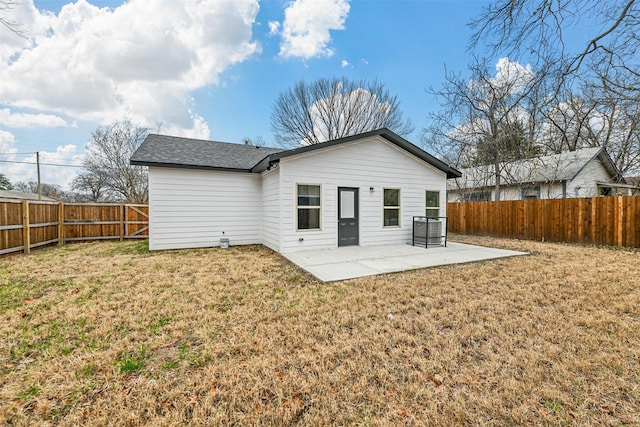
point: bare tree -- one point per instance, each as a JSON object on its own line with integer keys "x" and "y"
{"x": 5, "y": 184}
{"x": 484, "y": 118}
{"x": 537, "y": 29}
{"x": 53, "y": 191}
{"x": 597, "y": 117}
{"x": 616, "y": 126}
{"x": 328, "y": 109}
{"x": 107, "y": 163}
{"x": 90, "y": 187}
{"x": 6, "y": 6}
{"x": 568, "y": 125}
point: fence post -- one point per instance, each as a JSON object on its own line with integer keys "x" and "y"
{"x": 60, "y": 223}
{"x": 122, "y": 208}
{"x": 26, "y": 234}
{"x": 620, "y": 218}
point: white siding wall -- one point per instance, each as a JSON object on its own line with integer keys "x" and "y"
{"x": 190, "y": 208}
{"x": 547, "y": 191}
{"x": 363, "y": 164}
{"x": 584, "y": 184}
{"x": 514, "y": 192}
{"x": 271, "y": 209}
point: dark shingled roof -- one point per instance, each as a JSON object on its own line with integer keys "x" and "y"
{"x": 169, "y": 151}
{"x": 172, "y": 151}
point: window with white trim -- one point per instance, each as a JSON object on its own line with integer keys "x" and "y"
{"x": 477, "y": 196}
{"x": 391, "y": 207}
{"x": 308, "y": 207}
{"x": 530, "y": 192}
{"x": 432, "y": 204}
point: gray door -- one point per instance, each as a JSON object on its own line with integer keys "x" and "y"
{"x": 347, "y": 216}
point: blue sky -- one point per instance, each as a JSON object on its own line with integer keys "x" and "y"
{"x": 207, "y": 69}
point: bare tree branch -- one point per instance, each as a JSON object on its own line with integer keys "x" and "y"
{"x": 108, "y": 172}
{"x": 327, "y": 109}
{"x": 6, "y": 6}
{"x": 535, "y": 29}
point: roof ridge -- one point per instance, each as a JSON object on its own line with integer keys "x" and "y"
{"x": 213, "y": 141}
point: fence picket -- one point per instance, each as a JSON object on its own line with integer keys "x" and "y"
{"x": 26, "y": 224}
{"x": 609, "y": 221}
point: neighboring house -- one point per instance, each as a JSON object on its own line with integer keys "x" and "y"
{"x": 582, "y": 173}
{"x": 10, "y": 194}
{"x": 634, "y": 182}
{"x": 360, "y": 190}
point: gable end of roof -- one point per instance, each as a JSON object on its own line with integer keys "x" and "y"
{"x": 384, "y": 133}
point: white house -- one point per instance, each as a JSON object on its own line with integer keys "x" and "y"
{"x": 360, "y": 190}
{"x": 587, "y": 172}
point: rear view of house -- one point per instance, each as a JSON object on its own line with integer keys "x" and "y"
{"x": 361, "y": 190}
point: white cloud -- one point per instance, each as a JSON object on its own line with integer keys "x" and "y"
{"x": 61, "y": 175}
{"x": 274, "y": 28}
{"x": 512, "y": 75}
{"x": 198, "y": 130}
{"x": 6, "y": 143}
{"x": 21, "y": 120}
{"x": 24, "y": 168}
{"x": 511, "y": 78}
{"x": 306, "y": 26}
{"x": 141, "y": 60}
{"x": 345, "y": 63}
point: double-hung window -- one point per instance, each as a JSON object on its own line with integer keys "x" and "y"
{"x": 391, "y": 207}
{"x": 308, "y": 207}
{"x": 432, "y": 204}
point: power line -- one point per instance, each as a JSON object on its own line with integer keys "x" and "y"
{"x": 43, "y": 164}
{"x": 35, "y": 152}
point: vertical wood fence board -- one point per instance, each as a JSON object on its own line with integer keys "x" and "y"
{"x": 605, "y": 221}
{"x": 54, "y": 222}
{"x": 11, "y": 215}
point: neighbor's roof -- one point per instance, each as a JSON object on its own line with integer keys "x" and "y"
{"x": 168, "y": 151}
{"x": 10, "y": 194}
{"x": 564, "y": 166}
{"x": 172, "y": 151}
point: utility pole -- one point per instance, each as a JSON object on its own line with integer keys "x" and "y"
{"x": 38, "y": 163}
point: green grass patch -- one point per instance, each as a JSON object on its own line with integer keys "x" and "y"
{"x": 129, "y": 248}
{"x": 553, "y": 405}
{"x": 132, "y": 362}
{"x": 89, "y": 370}
{"x": 32, "y": 392}
{"x": 169, "y": 364}
{"x": 159, "y": 324}
{"x": 12, "y": 295}
{"x": 17, "y": 292}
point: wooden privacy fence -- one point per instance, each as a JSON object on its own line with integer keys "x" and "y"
{"x": 608, "y": 221}
{"x": 27, "y": 224}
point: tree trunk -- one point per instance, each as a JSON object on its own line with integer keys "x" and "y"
{"x": 497, "y": 172}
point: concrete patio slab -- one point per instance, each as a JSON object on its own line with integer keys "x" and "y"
{"x": 330, "y": 265}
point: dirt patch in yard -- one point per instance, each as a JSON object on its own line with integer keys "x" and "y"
{"x": 107, "y": 333}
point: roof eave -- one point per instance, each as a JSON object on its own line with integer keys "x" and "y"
{"x": 184, "y": 166}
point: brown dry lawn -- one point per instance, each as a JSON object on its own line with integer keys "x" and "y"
{"x": 107, "y": 333}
